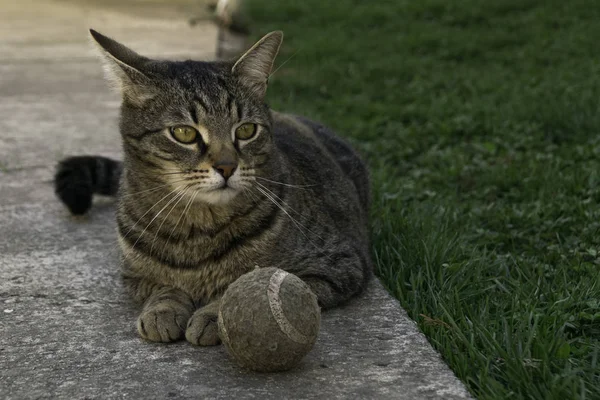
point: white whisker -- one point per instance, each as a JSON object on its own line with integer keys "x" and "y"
{"x": 246, "y": 191}
{"x": 285, "y": 184}
{"x": 288, "y": 206}
{"x": 283, "y": 63}
{"x": 151, "y": 221}
{"x": 153, "y": 189}
{"x": 181, "y": 196}
{"x": 183, "y": 212}
{"x": 298, "y": 225}
{"x": 150, "y": 209}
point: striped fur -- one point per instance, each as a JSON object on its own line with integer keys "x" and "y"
{"x": 298, "y": 198}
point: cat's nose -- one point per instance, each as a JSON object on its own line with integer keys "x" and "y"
{"x": 225, "y": 169}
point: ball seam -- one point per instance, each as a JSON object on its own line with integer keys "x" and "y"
{"x": 277, "y": 309}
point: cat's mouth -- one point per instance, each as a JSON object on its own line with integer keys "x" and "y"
{"x": 219, "y": 195}
{"x": 227, "y": 185}
{"x": 224, "y": 187}
{"x": 221, "y": 189}
{"x": 213, "y": 190}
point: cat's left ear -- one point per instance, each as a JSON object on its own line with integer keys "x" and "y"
{"x": 255, "y": 65}
{"x": 125, "y": 69}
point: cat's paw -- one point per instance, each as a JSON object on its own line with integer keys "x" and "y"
{"x": 202, "y": 329}
{"x": 163, "y": 323}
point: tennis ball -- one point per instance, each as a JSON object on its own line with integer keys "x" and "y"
{"x": 269, "y": 320}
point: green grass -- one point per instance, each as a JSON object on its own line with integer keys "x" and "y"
{"x": 481, "y": 125}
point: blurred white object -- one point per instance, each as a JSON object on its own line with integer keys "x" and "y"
{"x": 233, "y": 28}
{"x": 227, "y": 11}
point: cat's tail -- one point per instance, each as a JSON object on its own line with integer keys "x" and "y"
{"x": 78, "y": 178}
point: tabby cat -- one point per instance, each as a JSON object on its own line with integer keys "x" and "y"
{"x": 214, "y": 183}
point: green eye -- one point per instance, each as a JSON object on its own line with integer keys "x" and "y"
{"x": 245, "y": 131}
{"x": 184, "y": 134}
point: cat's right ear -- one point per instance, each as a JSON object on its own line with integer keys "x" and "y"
{"x": 124, "y": 68}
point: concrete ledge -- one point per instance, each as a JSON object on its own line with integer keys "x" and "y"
{"x": 68, "y": 329}
{"x": 66, "y": 326}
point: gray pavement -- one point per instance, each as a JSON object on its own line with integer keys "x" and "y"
{"x": 66, "y": 326}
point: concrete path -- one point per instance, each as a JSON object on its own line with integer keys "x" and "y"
{"x": 66, "y": 327}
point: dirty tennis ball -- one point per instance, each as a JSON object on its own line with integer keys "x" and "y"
{"x": 269, "y": 320}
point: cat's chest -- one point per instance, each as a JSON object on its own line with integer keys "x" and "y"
{"x": 207, "y": 281}
{"x": 203, "y": 267}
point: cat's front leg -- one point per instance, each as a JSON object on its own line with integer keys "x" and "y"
{"x": 336, "y": 276}
{"x": 202, "y": 329}
{"x": 165, "y": 313}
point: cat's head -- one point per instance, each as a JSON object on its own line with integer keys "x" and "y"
{"x": 198, "y": 127}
